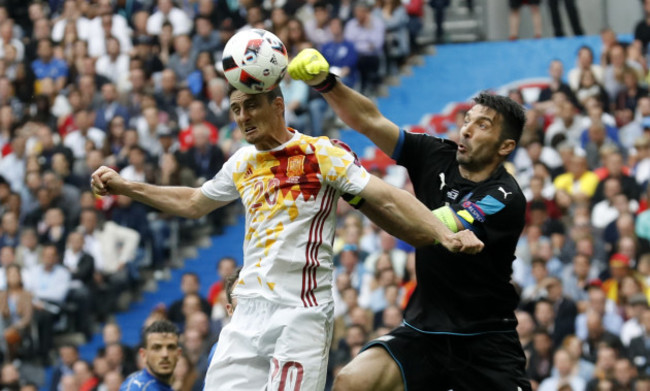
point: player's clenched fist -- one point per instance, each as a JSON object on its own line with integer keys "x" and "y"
{"x": 309, "y": 66}
{"x": 469, "y": 243}
{"x": 106, "y": 181}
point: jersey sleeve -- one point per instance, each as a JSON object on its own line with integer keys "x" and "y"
{"x": 222, "y": 187}
{"x": 341, "y": 168}
{"x": 413, "y": 149}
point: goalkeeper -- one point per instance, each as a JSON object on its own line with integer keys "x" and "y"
{"x": 459, "y": 326}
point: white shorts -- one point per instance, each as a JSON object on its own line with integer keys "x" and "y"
{"x": 267, "y": 346}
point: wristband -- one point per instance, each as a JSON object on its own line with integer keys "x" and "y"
{"x": 327, "y": 84}
{"x": 355, "y": 201}
{"x": 446, "y": 215}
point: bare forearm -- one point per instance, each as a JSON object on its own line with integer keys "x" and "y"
{"x": 361, "y": 114}
{"x": 169, "y": 199}
{"x": 403, "y": 216}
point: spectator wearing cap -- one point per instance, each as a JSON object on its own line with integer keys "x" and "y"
{"x": 144, "y": 52}
{"x": 181, "y": 23}
{"x": 110, "y": 107}
{"x": 168, "y": 142}
{"x": 619, "y": 267}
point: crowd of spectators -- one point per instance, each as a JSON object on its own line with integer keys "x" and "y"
{"x": 137, "y": 85}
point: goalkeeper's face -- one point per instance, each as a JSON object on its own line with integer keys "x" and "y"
{"x": 479, "y": 141}
{"x": 161, "y": 355}
{"x": 260, "y": 120}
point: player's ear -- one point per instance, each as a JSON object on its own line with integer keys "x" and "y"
{"x": 506, "y": 147}
{"x": 278, "y": 104}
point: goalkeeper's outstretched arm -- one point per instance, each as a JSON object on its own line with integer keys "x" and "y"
{"x": 400, "y": 214}
{"x": 356, "y": 110}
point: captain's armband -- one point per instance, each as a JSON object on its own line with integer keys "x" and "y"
{"x": 354, "y": 200}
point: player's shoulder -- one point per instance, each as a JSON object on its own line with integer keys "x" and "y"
{"x": 141, "y": 381}
{"x": 134, "y": 382}
{"x": 503, "y": 190}
{"x": 420, "y": 142}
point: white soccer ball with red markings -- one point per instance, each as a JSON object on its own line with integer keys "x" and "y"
{"x": 254, "y": 61}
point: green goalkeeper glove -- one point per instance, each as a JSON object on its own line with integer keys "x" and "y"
{"x": 309, "y": 66}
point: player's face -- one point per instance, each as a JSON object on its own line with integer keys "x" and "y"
{"x": 479, "y": 144}
{"x": 260, "y": 121}
{"x": 161, "y": 354}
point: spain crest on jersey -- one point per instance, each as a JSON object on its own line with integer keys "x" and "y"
{"x": 295, "y": 168}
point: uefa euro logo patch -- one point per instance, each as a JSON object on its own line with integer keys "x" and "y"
{"x": 474, "y": 210}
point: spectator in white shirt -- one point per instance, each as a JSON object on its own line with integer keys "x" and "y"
{"x": 114, "y": 65}
{"x": 636, "y": 305}
{"x": 135, "y": 171}
{"x": 584, "y": 61}
{"x": 49, "y": 283}
{"x": 77, "y": 139}
{"x": 181, "y": 23}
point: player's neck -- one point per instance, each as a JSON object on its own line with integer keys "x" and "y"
{"x": 274, "y": 140}
{"x": 477, "y": 175}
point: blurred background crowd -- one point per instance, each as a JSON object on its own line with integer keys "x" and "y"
{"x": 132, "y": 84}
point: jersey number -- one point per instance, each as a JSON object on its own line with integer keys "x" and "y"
{"x": 290, "y": 375}
{"x": 268, "y": 192}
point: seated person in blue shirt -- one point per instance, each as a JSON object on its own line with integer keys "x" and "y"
{"x": 160, "y": 352}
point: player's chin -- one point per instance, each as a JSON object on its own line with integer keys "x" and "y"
{"x": 165, "y": 369}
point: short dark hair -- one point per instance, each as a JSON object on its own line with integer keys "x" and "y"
{"x": 163, "y": 326}
{"x": 511, "y": 112}
{"x": 270, "y": 95}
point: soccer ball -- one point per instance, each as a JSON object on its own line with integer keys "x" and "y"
{"x": 254, "y": 61}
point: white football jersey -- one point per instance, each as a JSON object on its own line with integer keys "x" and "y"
{"x": 290, "y": 195}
